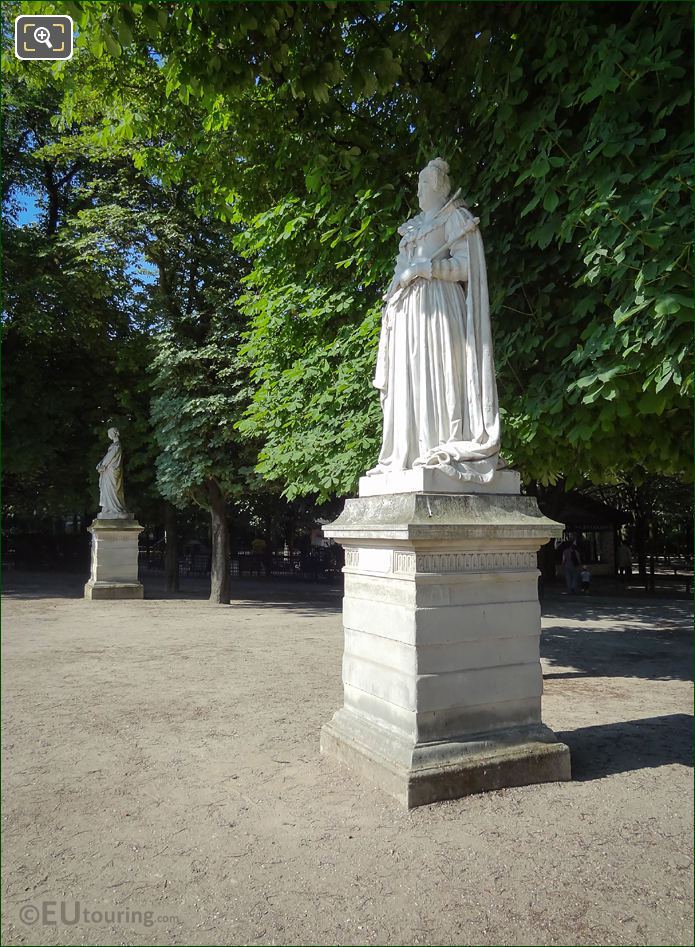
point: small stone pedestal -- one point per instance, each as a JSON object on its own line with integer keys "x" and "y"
{"x": 441, "y": 670}
{"x": 114, "y": 560}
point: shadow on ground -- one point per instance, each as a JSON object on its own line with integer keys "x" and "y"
{"x": 636, "y": 611}
{"x": 311, "y": 598}
{"x": 581, "y": 638}
{"x": 29, "y": 585}
{"x": 612, "y": 748}
{"x": 643, "y": 641}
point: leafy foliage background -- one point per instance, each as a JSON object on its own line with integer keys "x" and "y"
{"x": 302, "y": 126}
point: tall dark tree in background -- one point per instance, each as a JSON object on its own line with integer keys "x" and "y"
{"x": 199, "y": 383}
{"x": 194, "y": 378}
{"x": 131, "y": 320}
{"x": 75, "y": 325}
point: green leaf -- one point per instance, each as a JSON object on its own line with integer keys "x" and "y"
{"x": 531, "y": 204}
{"x": 540, "y": 167}
{"x": 125, "y": 35}
{"x": 664, "y": 380}
{"x": 111, "y": 43}
{"x": 550, "y": 201}
{"x": 622, "y": 315}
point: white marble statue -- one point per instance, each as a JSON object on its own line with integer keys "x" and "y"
{"x": 110, "y": 467}
{"x": 435, "y": 367}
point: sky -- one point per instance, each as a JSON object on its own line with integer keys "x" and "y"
{"x": 30, "y": 209}
{"x": 30, "y": 213}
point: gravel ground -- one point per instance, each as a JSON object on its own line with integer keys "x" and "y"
{"x": 161, "y": 761}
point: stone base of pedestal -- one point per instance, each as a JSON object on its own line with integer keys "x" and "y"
{"x": 418, "y": 774}
{"x": 441, "y": 670}
{"x": 114, "y": 571}
{"x": 111, "y": 590}
{"x": 432, "y": 480}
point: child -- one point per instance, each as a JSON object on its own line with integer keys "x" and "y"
{"x": 585, "y": 577}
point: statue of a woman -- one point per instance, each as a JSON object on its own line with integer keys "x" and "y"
{"x": 110, "y": 467}
{"x": 435, "y": 368}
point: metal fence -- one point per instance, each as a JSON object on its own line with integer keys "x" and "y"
{"x": 318, "y": 563}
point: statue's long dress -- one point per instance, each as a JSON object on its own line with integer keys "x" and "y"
{"x": 111, "y": 493}
{"x": 435, "y": 369}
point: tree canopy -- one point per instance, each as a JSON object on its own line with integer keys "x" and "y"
{"x": 302, "y": 126}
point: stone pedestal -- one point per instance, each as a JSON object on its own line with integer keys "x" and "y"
{"x": 114, "y": 572}
{"x": 441, "y": 670}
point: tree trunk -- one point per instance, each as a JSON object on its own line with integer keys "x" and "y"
{"x": 641, "y": 529}
{"x": 53, "y": 200}
{"x": 171, "y": 548}
{"x": 220, "y": 564}
{"x": 643, "y": 513}
{"x": 546, "y": 562}
{"x": 268, "y": 552}
{"x": 652, "y": 550}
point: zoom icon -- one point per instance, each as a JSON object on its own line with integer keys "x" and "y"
{"x": 43, "y": 37}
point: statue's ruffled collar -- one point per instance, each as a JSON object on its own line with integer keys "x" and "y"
{"x": 419, "y": 226}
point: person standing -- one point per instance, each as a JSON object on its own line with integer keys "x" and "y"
{"x": 624, "y": 560}
{"x": 571, "y": 563}
{"x": 585, "y": 577}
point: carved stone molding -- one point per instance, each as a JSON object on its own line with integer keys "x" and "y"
{"x": 448, "y": 562}
{"x": 352, "y": 557}
{"x": 403, "y": 562}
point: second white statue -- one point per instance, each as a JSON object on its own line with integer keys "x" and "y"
{"x": 110, "y": 467}
{"x": 435, "y": 369}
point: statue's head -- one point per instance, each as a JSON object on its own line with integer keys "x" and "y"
{"x": 113, "y": 433}
{"x": 433, "y": 185}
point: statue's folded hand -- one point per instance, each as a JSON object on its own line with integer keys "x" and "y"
{"x": 422, "y": 269}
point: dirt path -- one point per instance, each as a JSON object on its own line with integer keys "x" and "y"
{"x": 162, "y": 756}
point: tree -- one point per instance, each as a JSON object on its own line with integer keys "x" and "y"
{"x": 661, "y": 514}
{"x": 199, "y": 387}
{"x": 195, "y": 377}
{"x": 74, "y": 334}
{"x": 196, "y": 399}
{"x": 177, "y": 276}
{"x": 570, "y": 128}
{"x": 579, "y": 165}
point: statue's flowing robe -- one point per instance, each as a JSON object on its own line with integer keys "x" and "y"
{"x": 111, "y": 494}
{"x": 435, "y": 369}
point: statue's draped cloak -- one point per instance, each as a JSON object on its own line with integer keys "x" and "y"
{"x": 111, "y": 492}
{"x": 435, "y": 369}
